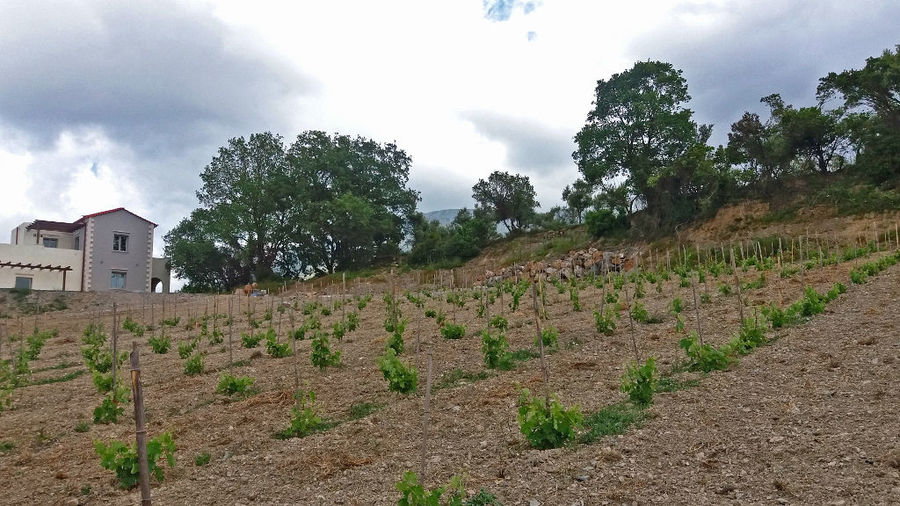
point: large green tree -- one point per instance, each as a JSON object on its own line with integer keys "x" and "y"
{"x": 510, "y": 198}
{"x": 323, "y": 204}
{"x": 636, "y": 131}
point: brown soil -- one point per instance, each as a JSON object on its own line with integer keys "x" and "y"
{"x": 810, "y": 419}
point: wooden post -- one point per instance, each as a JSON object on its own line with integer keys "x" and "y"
{"x": 737, "y": 284}
{"x": 540, "y": 337}
{"x": 697, "y": 309}
{"x": 231, "y": 329}
{"x": 140, "y": 431}
{"x": 425, "y": 414}
{"x": 637, "y": 357}
{"x": 294, "y": 350}
{"x": 115, "y": 334}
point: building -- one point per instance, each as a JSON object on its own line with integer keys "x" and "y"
{"x": 110, "y": 250}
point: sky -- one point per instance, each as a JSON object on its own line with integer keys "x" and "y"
{"x": 108, "y": 104}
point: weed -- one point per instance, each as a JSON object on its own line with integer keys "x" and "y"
{"x": 132, "y": 326}
{"x": 669, "y": 384}
{"x": 458, "y": 377}
{"x": 725, "y": 289}
{"x": 6, "y": 447}
{"x": 59, "y": 379}
{"x": 82, "y": 426}
{"x": 430, "y": 313}
{"x": 509, "y": 359}
{"x": 705, "y": 298}
{"x": 122, "y": 459}
{"x": 362, "y": 410}
{"x": 202, "y": 459}
{"x": 677, "y": 306}
{"x": 546, "y": 424}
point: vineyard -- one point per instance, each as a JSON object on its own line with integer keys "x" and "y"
{"x": 764, "y": 371}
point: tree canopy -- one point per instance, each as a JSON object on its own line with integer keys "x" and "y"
{"x": 509, "y": 198}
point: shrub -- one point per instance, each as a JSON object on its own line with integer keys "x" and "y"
{"x": 251, "y": 340}
{"x": 132, "y": 326}
{"x": 500, "y": 323}
{"x": 546, "y": 425}
{"x": 230, "y": 385}
{"x": 185, "y": 348}
{"x": 36, "y": 343}
{"x": 550, "y": 337}
{"x": 400, "y": 377}
{"x": 453, "y": 331}
{"x": 601, "y": 222}
{"x": 321, "y": 354}
{"x": 639, "y": 313}
{"x": 703, "y": 357}
{"x": 274, "y": 348}
{"x": 195, "y": 364}
{"x": 305, "y": 417}
{"x": 122, "y": 459}
{"x": 812, "y": 303}
{"x": 160, "y": 344}
{"x": 493, "y": 348}
{"x": 639, "y": 381}
{"x": 605, "y": 322}
{"x": 750, "y": 336}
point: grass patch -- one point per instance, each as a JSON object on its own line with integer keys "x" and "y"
{"x": 6, "y": 447}
{"x": 62, "y": 365}
{"x": 58, "y": 379}
{"x": 509, "y": 359}
{"x": 363, "y": 409}
{"x": 670, "y": 384}
{"x": 457, "y": 377}
{"x": 611, "y": 420}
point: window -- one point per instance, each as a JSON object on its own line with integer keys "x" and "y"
{"x": 117, "y": 280}
{"x": 23, "y": 282}
{"x": 77, "y": 242}
{"x": 120, "y": 242}
{"x": 51, "y": 242}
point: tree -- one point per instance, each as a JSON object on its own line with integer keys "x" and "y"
{"x": 638, "y": 127}
{"x": 759, "y": 149}
{"x": 814, "y": 135}
{"x": 578, "y": 197}
{"x": 197, "y": 254}
{"x": 457, "y": 242}
{"x": 510, "y": 198}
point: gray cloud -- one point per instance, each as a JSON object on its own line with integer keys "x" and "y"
{"x": 530, "y": 146}
{"x": 755, "y": 49}
{"x": 441, "y": 189}
{"x": 157, "y": 76}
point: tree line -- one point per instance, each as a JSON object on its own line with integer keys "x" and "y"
{"x": 333, "y": 202}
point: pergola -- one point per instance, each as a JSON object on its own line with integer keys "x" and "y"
{"x": 40, "y": 267}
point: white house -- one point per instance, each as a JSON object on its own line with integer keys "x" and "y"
{"x": 109, "y": 250}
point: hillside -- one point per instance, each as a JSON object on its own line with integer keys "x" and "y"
{"x": 803, "y": 416}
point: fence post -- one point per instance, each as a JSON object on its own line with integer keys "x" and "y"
{"x": 140, "y": 431}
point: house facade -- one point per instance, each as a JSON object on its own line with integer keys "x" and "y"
{"x": 109, "y": 250}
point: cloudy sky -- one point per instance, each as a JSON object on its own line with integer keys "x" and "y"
{"x": 108, "y": 104}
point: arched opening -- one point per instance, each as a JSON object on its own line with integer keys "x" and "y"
{"x": 158, "y": 286}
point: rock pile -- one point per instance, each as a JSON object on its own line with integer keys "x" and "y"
{"x": 574, "y": 265}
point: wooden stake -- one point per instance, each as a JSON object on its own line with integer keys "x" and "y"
{"x": 637, "y": 357}
{"x": 140, "y": 430}
{"x": 426, "y": 412}
{"x": 540, "y": 337}
{"x": 115, "y": 334}
{"x": 737, "y": 284}
{"x": 697, "y": 308}
{"x": 231, "y": 329}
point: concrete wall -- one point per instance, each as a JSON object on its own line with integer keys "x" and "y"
{"x": 161, "y": 272}
{"x": 26, "y": 237}
{"x": 102, "y": 259}
{"x": 40, "y": 279}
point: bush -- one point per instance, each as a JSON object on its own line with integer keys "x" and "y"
{"x": 305, "y": 417}
{"x": 546, "y": 425}
{"x": 550, "y": 337}
{"x": 493, "y": 348}
{"x": 639, "y": 313}
{"x": 500, "y": 323}
{"x": 703, "y": 357}
{"x": 639, "y": 381}
{"x": 750, "y": 336}
{"x": 230, "y": 385}
{"x": 185, "y": 348}
{"x": 453, "y": 331}
{"x": 195, "y": 364}
{"x": 400, "y": 377}
{"x": 122, "y": 459}
{"x": 274, "y": 348}
{"x": 605, "y": 323}
{"x": 321, "y": 354}
{"x": 601, "y": 222}
{"x": 251, "y": 340}
{"x": 160, "y": 344}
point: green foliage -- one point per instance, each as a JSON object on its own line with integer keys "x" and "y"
{"x": 171, "y": 322}
{"x": 605, "y": 322}
{"x": 677, "y": 306}
{"x": 458, "y": 377}
{"x": 202, "y": 459}
{"x": 639, "y": 313}
{"x": 703, "y": 357}
{"x": 493, "y": 348}
{"x": 230, "y": 385}
{"x": 185, "y": 348}
{"x": 36, "y": 343}
{"x": 122, "y": 459}
{"x": 276, "y": 349}
{"x": 414, "y": 494}
{"x": 395, "y": 341}
{"x": 195, "y": 364}
{"x": 639, "y": 381}
{"x": 604, "y": 222}
{"x": 453, "y": 331}
{"x": 430, "y": 313}
{"x": 82, "y": 426}
{"x": 500, "y": 323}
{"x": 132, "y": 326}
{"x": 321, "y": 354}
{"x": 705, "y": 298}
{"x": 812, "y": 303}
{"x": 573, "y": 296}
{"x": 751, "y": 335}
{"x": 612, "y": 420}
{"x": 362, "y": 410}
{"x": 546, "y": 425}
{"x": 509, "y": 198}
{"x": 305, "y": 418}
{"x": 160, "y": 344}
{"x": 400, "y": 377}
{"x": 108, "y": 411}
{"x": 550, "y": 337}
{"x": 250, "y": 340}
{"x": 725, "y": 289}
{"x": 352, "y": 322}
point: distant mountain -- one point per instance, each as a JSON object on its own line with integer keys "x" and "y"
{"x": 443, "y": 216}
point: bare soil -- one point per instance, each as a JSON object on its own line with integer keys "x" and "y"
{"x": 809, "y": 419}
